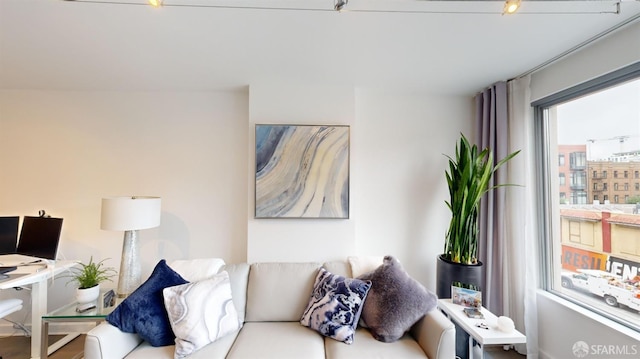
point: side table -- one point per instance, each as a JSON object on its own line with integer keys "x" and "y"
{"x": 485, "y": 335}
{"x": 68, "y": 313}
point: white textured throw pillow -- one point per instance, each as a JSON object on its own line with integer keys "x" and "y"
{"x": 200, "y": 313}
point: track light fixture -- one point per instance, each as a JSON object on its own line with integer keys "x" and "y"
{"x": 339, "y": 4}
{"x": 511, "y": 6}
{"x": 425, "y": 7}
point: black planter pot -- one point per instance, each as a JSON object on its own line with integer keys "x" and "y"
{"x": 448, "y": 272}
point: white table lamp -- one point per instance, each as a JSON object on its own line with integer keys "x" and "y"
{"x": 130, "y": 214}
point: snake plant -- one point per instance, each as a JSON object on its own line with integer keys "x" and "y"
{"x": 468, "y": 179}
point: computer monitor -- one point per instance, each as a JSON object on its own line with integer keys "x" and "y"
{"x": 39, "y": 237}
{"x": 8, "y": 234}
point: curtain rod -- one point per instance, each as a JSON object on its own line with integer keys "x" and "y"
{"x": 578, "y": 47}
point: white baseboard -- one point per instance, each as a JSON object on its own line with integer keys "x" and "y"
{"x": 6, "y": 328}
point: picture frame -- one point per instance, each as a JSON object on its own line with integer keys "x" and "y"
{"x": 302, "y": 171}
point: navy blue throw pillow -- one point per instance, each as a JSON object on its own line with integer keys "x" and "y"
{"x": 143, "y": 311}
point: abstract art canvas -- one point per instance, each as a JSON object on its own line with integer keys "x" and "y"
{"x": 302, "y": 171}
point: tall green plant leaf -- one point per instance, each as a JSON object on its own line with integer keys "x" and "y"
{"x": 468, "y": 180}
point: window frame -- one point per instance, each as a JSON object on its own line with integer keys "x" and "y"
{"x": 544, "y": 162}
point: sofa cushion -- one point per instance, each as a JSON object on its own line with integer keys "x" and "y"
{"x": 395, "y": 301}
{"x": 143, "y": 311}
{"x": 195, "y": 270}
{"x": 335, "y": 305}
{"x": 365, "y": 346}
{"x": 238, "y": 276}
{"x": 200, "y": 313}
{"x": 338, "y": 267}
{"x": 277, "y": 340}
{"x": 279, "y": 292}
{"x": 364, "y": 264}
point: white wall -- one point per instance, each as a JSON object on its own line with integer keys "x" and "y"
{"x": 63, "y": 151}
{"x": 399, "y": 144}
{"x": 299, "y": 239}
{"x": 560, "y": 326}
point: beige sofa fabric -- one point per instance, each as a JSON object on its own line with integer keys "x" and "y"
{"x": 274, "y": 296}
{"x": 339, "y": 268}
{"x": 279, "y": 292}
{"x": 282, "y": 340}
{"x": 238, "y": 276}
{"x": 365, "y": 346}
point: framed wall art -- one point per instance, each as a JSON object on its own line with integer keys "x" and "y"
{"x": 302, "y": 171}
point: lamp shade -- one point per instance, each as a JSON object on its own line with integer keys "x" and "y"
{"x": 130, "y": 213}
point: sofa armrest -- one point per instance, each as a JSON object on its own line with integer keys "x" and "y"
{"x": 107, "y": 342}
{"x": 436, "y": 334}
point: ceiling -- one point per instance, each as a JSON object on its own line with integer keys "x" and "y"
{"x": 449, "y": 47}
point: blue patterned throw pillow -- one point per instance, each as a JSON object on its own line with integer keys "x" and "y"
{"x": 143, "y": 311}
{"x": 335, "y": 305}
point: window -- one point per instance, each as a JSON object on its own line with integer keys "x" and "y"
{"x": 561, "y": 159}
{"x": 636, "y": 174}
{"x": 600, "y": 243}
{"x": 637, "y": 186}
{"x": 562, "y": 179}
{"x": 578, "y": 160}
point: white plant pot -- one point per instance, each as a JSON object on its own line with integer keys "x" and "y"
{"x": 87, "y": 295}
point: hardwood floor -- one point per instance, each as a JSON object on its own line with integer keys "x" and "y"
{"x": 19, "y": 347}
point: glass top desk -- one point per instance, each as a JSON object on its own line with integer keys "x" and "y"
{"x": 68, "y": 313}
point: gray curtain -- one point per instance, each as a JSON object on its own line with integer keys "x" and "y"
{"x": 491, "y": 130}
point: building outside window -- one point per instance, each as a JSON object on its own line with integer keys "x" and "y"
{"x": 592, "y": 245}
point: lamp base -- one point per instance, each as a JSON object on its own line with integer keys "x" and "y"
{"x": 130, "y": 268}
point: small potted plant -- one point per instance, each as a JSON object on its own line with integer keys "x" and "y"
{"x": 88, "y": 277}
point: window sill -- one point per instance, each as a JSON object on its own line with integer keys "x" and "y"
{"x": 591, "y": 315}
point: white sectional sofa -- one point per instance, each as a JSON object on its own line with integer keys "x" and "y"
{"x": 270, "y": 299}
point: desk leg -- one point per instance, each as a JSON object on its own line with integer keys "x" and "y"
{"x": 44, "y": 345}
{"x": 471, "y": 349}
{"x": 38, "y": 309}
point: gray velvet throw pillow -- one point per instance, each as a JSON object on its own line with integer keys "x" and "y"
{"x": 395, "y": 301}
